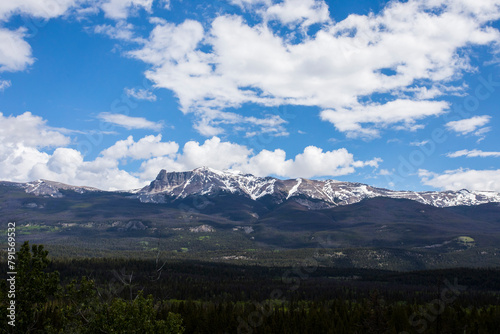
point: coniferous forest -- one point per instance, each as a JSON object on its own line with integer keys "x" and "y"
{"x": 97, "y": 295}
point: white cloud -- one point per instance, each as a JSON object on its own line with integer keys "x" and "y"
{"x": 422, "y": 42}
{"x": 211, "y": 121}
{"x": 17, "y": 161}
{"x": 66, "y": 165}
{"x": 419, "y": 143}
{"x": 15, "y": 52}
{"x": 304, "y": 12}
{"x": 121, "y": 30}
{"x": 140, "y": 94}
{"x": 166, "y": 4}
{"x": 4, "y": 84}
{"x": 22, "y": 158}
{"x": 248, "y": 4}
{"x": 29, "y": 130}
{"x": 313, "y": 162}
{"x": 39, "y": 8}
{"x": 214, "y": 153}
{"x": 468, "y": 125}
{"x": 22, "y": 139}
{"x": 121, "y": 9}
{"x": 403, "y": 112}
{"x": 171, "y": 49}
{"x": 288, "y": 12}
{"x": 470, "y": 179}
{"x": 385, "y": 172}
{"x": 47, "y": 9}
{"x": 146, "y": 148}
{"x": 129, "y": 122}
{"x": 472, "y": 154}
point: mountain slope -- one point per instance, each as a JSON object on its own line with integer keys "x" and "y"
{"x": 314, "y": 194}
{"x": 203, "y": 182}
{"x": 200, "y": 218}
{"x": 47, "y": 188}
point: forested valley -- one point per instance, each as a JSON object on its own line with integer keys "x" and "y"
{"x": 106, "y": 295}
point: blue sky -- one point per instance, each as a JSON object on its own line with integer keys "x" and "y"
{"x": 396, "y": 94}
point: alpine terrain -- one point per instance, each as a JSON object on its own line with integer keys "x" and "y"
{"x": 233, "y": 217}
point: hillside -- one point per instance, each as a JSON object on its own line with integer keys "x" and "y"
{"x": 218, "y": 216}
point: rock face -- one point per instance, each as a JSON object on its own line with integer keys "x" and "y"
{"x": 207, "y": 181}
{"x": 315, "y": 194}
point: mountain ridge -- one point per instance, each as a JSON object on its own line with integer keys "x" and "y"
{"x": 313, "y": 194}
{"x": 198, "y": 217}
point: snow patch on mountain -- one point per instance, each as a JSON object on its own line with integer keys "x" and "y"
{"x": 314, "y": 194}
{"x": 206, "y": 181}
{"x": 294, "y": 188}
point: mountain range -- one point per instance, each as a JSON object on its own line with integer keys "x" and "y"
{"x": 313, "y": 194}
{"x": 229, "y": 216}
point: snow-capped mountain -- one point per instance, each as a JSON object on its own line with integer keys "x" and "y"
{"x": 315, "y": 194}
{"x": 48, "y": 188}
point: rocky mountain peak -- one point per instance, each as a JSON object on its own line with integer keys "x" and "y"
{"x": 314, "y": 194}
{"x": 162, "y": 176}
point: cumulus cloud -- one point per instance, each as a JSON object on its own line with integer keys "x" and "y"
{"x": 121, "y": 9}
{"x": 29, "y": 130}
{"x": 24, "y": 141}
{"x": 288, "y": 12}
{"x": 411, "y": 51}
{"x": 470, "y": 179}
{"x": 15, "y": 52}
{"x": 472, "y": 154}
{"x": 304, "y": 12}
{"x": 212, "y": 153}
{"x": 44, "y": 9}
{"x": 17, "y": 161}
{"x": 145, "y": 148}
{"x": 129, "y": 122}
{"x": 312, "y": 162}
{"x": 470, "y": 125}
{"x": 67, "y": 165}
